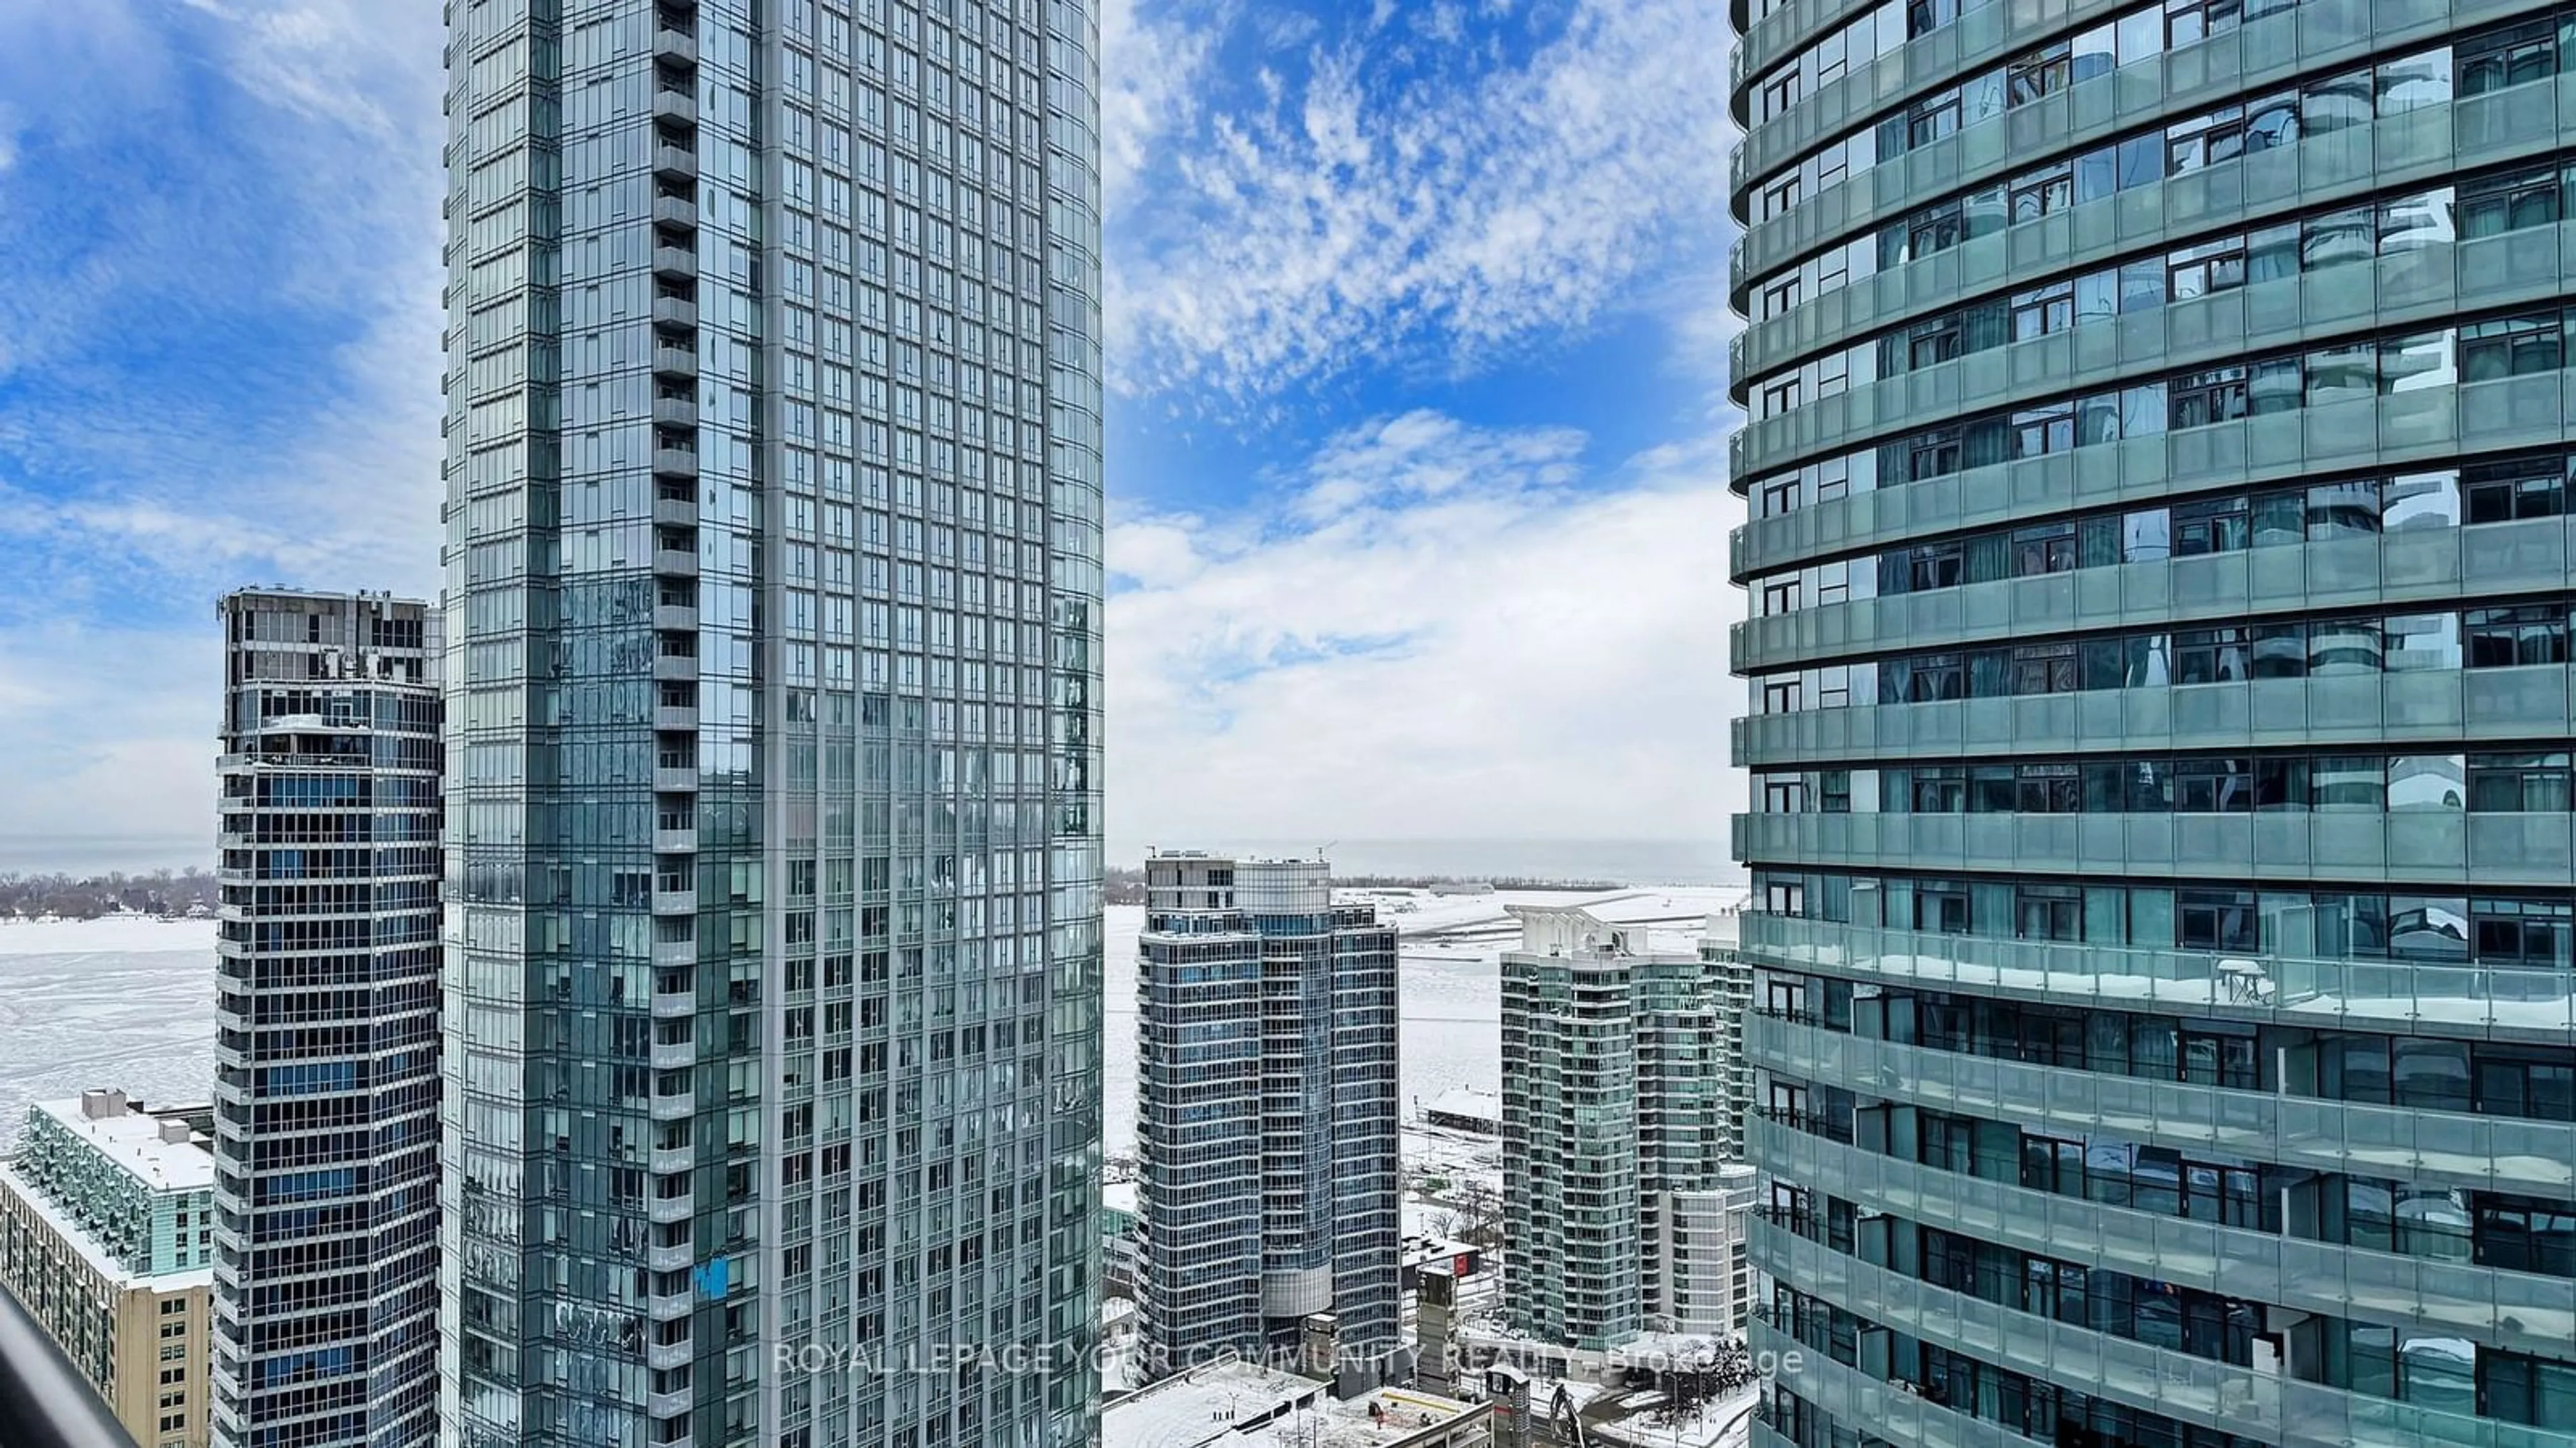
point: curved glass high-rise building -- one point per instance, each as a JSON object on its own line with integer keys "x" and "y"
{"x": 773, "y": 586}
{"x": 2158, "y": 465}
{"x": 325, "y": 1223}
{"x": 1266, "y": 1122}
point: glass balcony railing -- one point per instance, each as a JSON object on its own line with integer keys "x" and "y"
{"x": 2444, "y": 997}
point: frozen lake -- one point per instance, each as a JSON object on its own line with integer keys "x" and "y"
{"x": 130, "y": 1003}
{"x": 127, "y": 1003}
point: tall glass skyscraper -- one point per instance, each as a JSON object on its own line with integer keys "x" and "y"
{"x": 327, "y": 1030}
{"x": 774, "y": 502}
{"x": 2159, "y": 459}
{"x": 1266, "y": 1120}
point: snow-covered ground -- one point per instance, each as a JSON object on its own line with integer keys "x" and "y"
{"x": 1725, "y": 1423}
{"x": 1451, "y": 1159}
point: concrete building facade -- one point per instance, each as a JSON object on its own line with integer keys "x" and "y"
{"x": 1267, "y": 1117}
{"x": 773, "y": 468}
{"x": 2158, "y": 468}
{"x": 1620, "y": 1084}
{"x": 1702, "y": 1261}
{"x": 107, "y": 1216}
{"x": 327, "y": 1023}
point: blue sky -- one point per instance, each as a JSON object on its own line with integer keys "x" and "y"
{"x": 1416, "y": 322}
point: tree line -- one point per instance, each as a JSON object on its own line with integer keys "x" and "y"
{"x": 78, "y": 897}
{"x": 1125, "y": 884}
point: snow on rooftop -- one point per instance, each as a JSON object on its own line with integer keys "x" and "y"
{"x": 1203, "y": 1405}
{"x": 1481, "y": 920}
{"x": 1243, "y": 1405}
{"x": 1122, "y": 1197}
{"x": 132, "y": 1140}
{"x": 1469, "y": 1102}
{"x": 1331, "y": 1423}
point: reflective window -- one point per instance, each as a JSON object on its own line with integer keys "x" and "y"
{"x": 2500, "y": 492}
{"x": 2511, "y": 55}
{"x": 2510, "y": 347}
{"x": 2495, "y": 204}
{"x": 2499, "y": 638}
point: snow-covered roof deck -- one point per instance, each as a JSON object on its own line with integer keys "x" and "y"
{"x": 136, "y": 1143}
{"x": 1466, "y": 1102}
{"x": 1202, "y": 1405}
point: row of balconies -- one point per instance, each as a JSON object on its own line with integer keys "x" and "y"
{"x": 672, "y": 1202}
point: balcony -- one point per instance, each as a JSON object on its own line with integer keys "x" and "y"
{"x": 675, "y": 462}
{"x": 676, "y": 716}
{"x": 673, "y": 1258}
{"x": 675, "y": 211}
{"x": 44, "y": 1401}
{"x": 676, "y": 842}
{"x": 672, "y": 1160}
{"x": 679, "y": 412}
{"x": 672, "y": 106}
{"x": 677, "y": 46}
{"x": 677, "y": 1107}
{"x": 676, "y": 465}
{"x": 676, "y": 618}
{"x": 677, "y": 563}
{"x": 671, "y": 1209}
{"x": 673, "y": 1055}
{"x": 678, "y": 263}
{"x": 682, "y": 779}
{"x": 675, "y": 902}
{"x": 674, "y": 1005}
{"x": 664, "y": 1356}
{"x": 677, "y": 669}
{"x": 675, "y": 314}
{"x": 675, "y": 163}
{"x": 670, "y": 953}
{"x": 668, "y": 1405}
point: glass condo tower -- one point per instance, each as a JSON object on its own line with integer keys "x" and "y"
{"x": 1267, "y": 1122}
{"x": 773, "y": 583}
{"x": 327, "y": 1030}
{"x": 2158, "y": 464}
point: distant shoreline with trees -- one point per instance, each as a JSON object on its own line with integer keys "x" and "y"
{"x": 88, "y": 897}
{"x": 1125, "y": 884}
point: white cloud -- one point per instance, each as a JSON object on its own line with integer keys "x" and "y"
{"x": 236, "y": 165}
{"x": 1150, "y": 71}
{"x": 1494, "y": 657}
{"x": 111, "y": 738}
{"x": 1386, "y": 198}
{"x": 305, "y": 195}
{"x": 1425, "y": 456}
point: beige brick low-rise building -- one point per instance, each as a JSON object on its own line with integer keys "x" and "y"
{"x": 105, "y": 1218}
